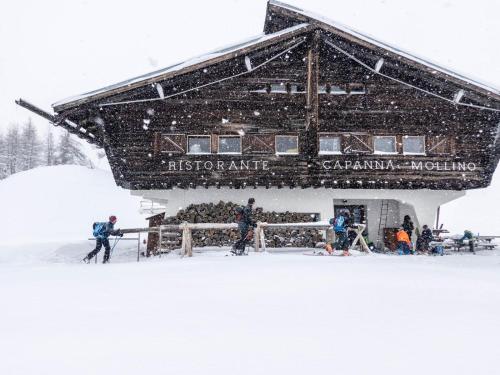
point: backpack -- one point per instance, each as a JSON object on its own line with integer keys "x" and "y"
{"x": 238, "y": 214}
{"x": 98, "y": 229}
{"x": 338, "y": 224}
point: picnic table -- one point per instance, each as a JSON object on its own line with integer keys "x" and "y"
{"x": 480, "y": 242}
{"x": 487, "y": 241}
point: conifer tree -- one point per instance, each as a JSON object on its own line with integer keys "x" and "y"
{"x": 69, "y": 151}
{"x": 30, "y": 147}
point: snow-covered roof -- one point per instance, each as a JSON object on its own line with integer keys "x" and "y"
{"x": 311, "y": 18}
{"x": 207, "y": 57}
{"x": 388, "y": 47}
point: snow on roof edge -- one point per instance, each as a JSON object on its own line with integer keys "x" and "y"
{"x": 370, "y": 39}
{"x": 184, "y": 64}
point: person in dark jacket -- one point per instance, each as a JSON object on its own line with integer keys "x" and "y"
{"x": 470, "y": 238}
{"x": 107, "y": 229}
{"x": 424, "y": 239}
{"x": 408, "y": 226}
{"x": 245, "y": 226}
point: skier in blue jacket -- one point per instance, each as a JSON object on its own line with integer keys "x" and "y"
{"x": 101, "y": 232}
{"x": 340, "y": 226}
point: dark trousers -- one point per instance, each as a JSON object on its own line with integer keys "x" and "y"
{"x": 403, "y": 248}
{"x": 342, "y": 241}
{"x": 471, "y": 246}
{"x": 98, "y": 246}
{"x": 239, "y": 245}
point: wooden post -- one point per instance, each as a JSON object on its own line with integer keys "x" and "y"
{"x": 359, "y": 237}
{"x": 187, "y": 240}
{"x": 263, "y": 239}
{"x": 138, "y": 245}
{"x": 312, "y": 98}
{"x": 160, "y": 235}
{"x": 256, "y": 237}
{"x": 330, "y": 235}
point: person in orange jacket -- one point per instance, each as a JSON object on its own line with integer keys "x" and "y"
{"x": 404, "y": 243}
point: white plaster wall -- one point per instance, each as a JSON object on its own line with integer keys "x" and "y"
{"x": 421, "y": 205}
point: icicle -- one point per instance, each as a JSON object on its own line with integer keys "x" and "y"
{"x": 248, "y": 63}
{"x": 159, "y": 88}
{"x": 458, "y": 96}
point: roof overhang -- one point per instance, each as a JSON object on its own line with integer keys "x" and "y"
{"x": 297, "y": 15}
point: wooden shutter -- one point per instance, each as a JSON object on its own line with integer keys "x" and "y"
{"x": 439, "y": 145}
{"x": 173, "y": 143}
{"x": 258, "y": 144}
{"x": 356, "y": 144}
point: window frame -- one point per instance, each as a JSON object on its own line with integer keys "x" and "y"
{"x": 168, "y": 135}
{"x": 330, "y": 135}
{"x": 375, "y": 152}
{"x": 199, "y": 136}
{"x": 229, "y": 136}
{"x": 437, "y": 140}
{"x": 296, "y": 136}
{"x": 414, "y": 153}
{"x": 269, "y": 149}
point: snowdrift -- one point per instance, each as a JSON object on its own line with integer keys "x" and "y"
{"x": 477, "y": 211}
{"x": 60, "y": 203}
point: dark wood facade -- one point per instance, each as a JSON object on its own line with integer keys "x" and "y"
{"x": 307, "y": 79}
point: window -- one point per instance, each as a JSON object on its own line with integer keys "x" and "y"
{"x": 329, "y": 144}
{"x": 258, "y": 144}
{"x": 278, "y": 88}
{"x": 199, "y": 144}
{"x": 413, "y": 145}
{"x": 384, "y": 145}
{"x": 287, "y": 145}
{"x": 337, "y": 90}
{"x": 439, "y": 145}
{"x": 173, "y": 143}
{"x": 357, "y": 89}
{"x": 230, "y": 144}
{"x": 356, "y": 143}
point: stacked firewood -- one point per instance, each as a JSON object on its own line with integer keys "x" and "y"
{"x": 224, "y": 212}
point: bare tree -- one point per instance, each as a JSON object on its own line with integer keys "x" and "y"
{"x": 3, "y": 158}
{"x": 50, "y": 149}
{"x": 12, "y": 149}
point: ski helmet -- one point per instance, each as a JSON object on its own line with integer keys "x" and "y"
{"x": 112, "y": 219}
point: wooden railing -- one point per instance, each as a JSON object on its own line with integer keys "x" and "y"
{"x": 187, "y": 229}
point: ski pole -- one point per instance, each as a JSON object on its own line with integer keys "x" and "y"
{"x": 117, "y": 239}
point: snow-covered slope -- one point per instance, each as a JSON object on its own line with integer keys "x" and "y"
{"x": 60, "y": 203}
{"x": 262, "y": 314}
{"x": 477, "y": 211}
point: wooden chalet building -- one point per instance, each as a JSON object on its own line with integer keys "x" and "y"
{"x": 310, "y": 116}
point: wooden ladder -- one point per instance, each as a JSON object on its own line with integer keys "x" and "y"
{"x": 384, "y": 213}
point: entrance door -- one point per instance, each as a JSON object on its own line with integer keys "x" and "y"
{"x": 358, "y": 214}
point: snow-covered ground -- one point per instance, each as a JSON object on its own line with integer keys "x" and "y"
{"x": 262, "y": 314}
{"x": 268, "y": 313}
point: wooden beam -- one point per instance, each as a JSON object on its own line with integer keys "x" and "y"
{"x": 312, "y": 93}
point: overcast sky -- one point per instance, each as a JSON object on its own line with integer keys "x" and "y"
{"x": 53, "y": 49}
